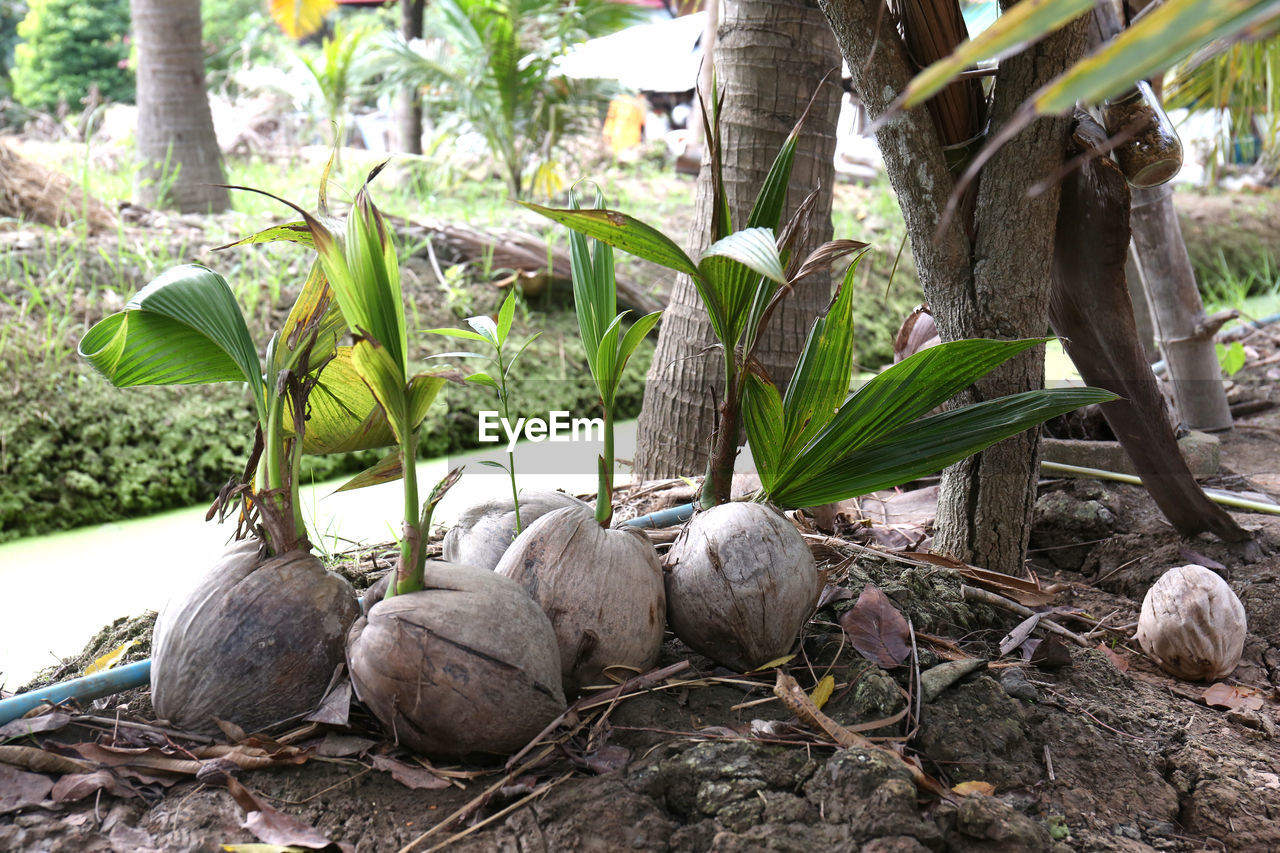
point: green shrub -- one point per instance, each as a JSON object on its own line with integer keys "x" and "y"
{"x": 11, "y": 12}
{"x": 77, "y": 451}
{"x": 68, "y": 46}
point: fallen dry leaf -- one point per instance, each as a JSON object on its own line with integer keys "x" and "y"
{"x": 1232, "y": 696}
{"x": 1027, "y": 592}
{"x": 1118, "y": 660}
{"x": 77, "y": 786}
{"x": 1019, "y": 634}
{"x": 877, "y": 630}
{"x": 273, "y": 826}
{"x": 965, "y": 789}
{"x": 33, "y": 725}
{"x": 1050, "y": 653}
{"x": 43, "y": 761}
{"x": 410, "y": 775}
{"x": 20, "y": 790}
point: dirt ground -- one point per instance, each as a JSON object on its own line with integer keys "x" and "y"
{"x": 1085, "y": 746}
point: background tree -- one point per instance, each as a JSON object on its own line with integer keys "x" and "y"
{"x": 986, "y": 271}
{"x": 181, "y": 164}
{"x": 408, "y": 106}
{"x": 69, "y": 46}
{"x": 770, "y": 57}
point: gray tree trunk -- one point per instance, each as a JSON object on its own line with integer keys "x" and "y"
{"x": 1185, "y": 337}
{"x": 985, "y": 275}
{"x": 408, "y": 105}
{"x": 770, "y": 57}
{"x": 177, "y": 150}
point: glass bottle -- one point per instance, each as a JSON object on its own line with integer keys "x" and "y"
{"x": 1152, "y": 153}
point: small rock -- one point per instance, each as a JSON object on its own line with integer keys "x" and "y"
{"x": 1127, "y": 830}
{"x": 1015, "y": 683}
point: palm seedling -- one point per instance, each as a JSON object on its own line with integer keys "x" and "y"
{"x": 258, "y": 637}
{"x": 602, "y": 587}
{"x": 485, "y": 530}
{"x": 740, "y": 580}
{"x": 453, "y": 659}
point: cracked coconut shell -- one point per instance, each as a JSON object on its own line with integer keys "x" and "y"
{"x": 1192, "y": 624}
{"x": 601, "y": 588}
{"x": 468, "y": 664}
{"x": 256, "y": 641}
{"x": 485, "y": 531}
{"x": 741, "y": 583}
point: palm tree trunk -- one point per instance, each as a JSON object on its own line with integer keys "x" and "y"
{"x": 181, "y": 165}
{"x": 770, "y": 57}
{"x": 408, "y": 106}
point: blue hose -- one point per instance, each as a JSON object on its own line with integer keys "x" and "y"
{"x": 133, "y": 675}
{"x": 79, "y": 689}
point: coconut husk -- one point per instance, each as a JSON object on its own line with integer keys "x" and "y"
{"x": 601, "y": 588}
{"x": 741, "y": 583}
{"x": 31, "y": 193}
{"x": 254, "y": 642}
{"x": 485, "y": 531}
{"x": 468, "y": 664}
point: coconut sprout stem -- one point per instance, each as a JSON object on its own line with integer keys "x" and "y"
{"x": 412, "y": 554}
{"x": 604, "y": 495}
{"x": 718, "y": 486}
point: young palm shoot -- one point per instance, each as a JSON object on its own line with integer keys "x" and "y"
{"x": 453, "y": 659}
{"x": 484, "y": 531}
{"x": 258, "y": 637}
{"x": 571, "y": 562}
{"x": 502, "y": 365}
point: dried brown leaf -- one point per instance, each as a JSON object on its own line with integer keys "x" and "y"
{"x": 1050, "y": 653}
{"x": 77, "y": 786}
{"x": 43, "y": 761}
{"x": 1232, "y": 696}
{"x": 877, "y": 630}
{"x": 272, "y": 826}
{"x": 33, "y": 725}
{"x": 1018, "y": 635}
{"x": 1118, "y": 660}
{"x": 1027, "y": 592}
{"x": 409, "y": 775}
{"x": 20, "y": 790}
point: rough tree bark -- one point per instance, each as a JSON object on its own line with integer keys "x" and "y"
{"x": 181, "y": 165}
{"x": 986, "y": 274}
{"x": 770, "y": 57}
{"x": 408, "y": 106}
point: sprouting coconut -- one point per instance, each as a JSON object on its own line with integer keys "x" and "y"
{"x": 256, "y": 640}
{"x": 815, "y": 444}
{"x": 466, "y": 664}
{"x": 741, "y": 583}
{"x": 485, "y": 531}
{"x": 601, "y": 587}
{"x": 454, "y": 659}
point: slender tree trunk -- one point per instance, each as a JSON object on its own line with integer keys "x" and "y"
{"x": 985, "y": 275}
{"x": 770, "y": 58}
{"x": 1183, "y": 333}
{"x": 408, "y": 106}
{"x": 177, "y": 150}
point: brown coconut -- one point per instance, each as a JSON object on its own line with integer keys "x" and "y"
{"x": 741, "y": 583}
{"x": 485, "y": 531}
{"x": 469, "y": 664}
{"x": 1193, "y": 624}
{"x": 256, "y": 641}
{"x": 601, "y": 588}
